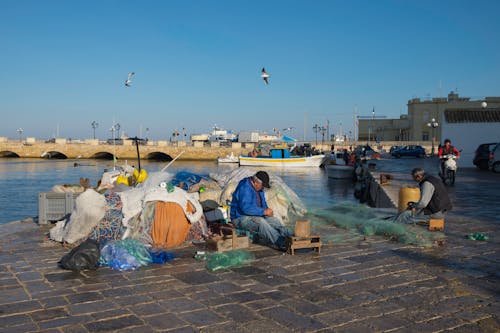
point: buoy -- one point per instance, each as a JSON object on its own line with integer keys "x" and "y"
{"x": 407, "y": 194}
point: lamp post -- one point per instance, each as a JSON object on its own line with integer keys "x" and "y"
{"x": 323, "y": 131}
{"x": 20, "y": 131}
{"x": 316, "y": 129}
{"x": 94, "y": 126}
{"x": 432, "y": 125}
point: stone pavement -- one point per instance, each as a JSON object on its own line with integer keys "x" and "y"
{"x": 371, "y": 285}
{"x": 358, "y": 285}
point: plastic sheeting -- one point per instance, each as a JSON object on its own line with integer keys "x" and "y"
{"x": 90, "y": 208}
{"x": 367, "y": 222}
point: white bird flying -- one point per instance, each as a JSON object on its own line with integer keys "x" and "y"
{"x": 288, "y": 129}
{"x": 264, "y": 75}
{"x": 128, "y": 81}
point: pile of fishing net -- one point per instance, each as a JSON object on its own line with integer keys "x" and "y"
{"x": 363, "y": 221}
{"x": 285, "y": 203}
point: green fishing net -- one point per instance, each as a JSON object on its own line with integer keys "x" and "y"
{"x": 477, "y": 236}
{"x": 229, "y": 259}
{"x": 358, "y": 221}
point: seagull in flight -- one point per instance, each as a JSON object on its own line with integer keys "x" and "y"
{"x": 128, "y": 81}
{"x": 288, "y": 129}
{"x": 264, "y": 75}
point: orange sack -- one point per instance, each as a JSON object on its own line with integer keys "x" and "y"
{"x": 170, "y": 226}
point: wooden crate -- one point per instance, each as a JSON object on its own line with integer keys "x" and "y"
{"x": 311, "y": 242}
{"x": 227, "y": 240}
{"x": 436, "y": 225}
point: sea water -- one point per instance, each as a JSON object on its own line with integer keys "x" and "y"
{"x": 22, "y": 179}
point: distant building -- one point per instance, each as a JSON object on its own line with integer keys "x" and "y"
{"x": 466, "y": 122}
{"x": 415, "y": 125}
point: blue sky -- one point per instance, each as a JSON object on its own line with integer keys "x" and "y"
{"x": 197, "y": 63}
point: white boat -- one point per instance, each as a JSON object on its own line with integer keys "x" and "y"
{"x": 338, "y": 169}
{"x": 228, "y": 159}
{"x": 280, "y": 157}
{"x": 221, "y": 135}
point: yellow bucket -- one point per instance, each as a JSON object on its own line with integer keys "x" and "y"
{"x": 407, "y": 194}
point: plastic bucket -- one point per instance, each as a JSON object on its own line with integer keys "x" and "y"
{"x": 407, "y": 194}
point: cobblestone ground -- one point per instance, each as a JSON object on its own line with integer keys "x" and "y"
{"x": 359, "y": 285}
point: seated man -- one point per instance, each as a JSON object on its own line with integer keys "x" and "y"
{"x": 249, "y": 211}
{"x": 433, "y": 203}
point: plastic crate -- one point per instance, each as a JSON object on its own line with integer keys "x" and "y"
{"x": 53, "y": 206}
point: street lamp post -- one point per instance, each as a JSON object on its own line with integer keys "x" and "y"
{"x": 433, "y": 124}
{"x": 20, "y": 131}
{"x": 316, "y": 129}
{"x": 94, "y": 126}
{"x": 323, "y": 131}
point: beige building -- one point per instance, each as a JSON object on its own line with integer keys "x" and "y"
{"x": 416, "y": 125}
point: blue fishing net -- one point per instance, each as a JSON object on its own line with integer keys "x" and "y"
{"x": 125, "y": 254}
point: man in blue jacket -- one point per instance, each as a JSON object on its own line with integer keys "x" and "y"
{"x": 249, "y": 211}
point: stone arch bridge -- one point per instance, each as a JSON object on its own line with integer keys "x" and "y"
{"x": 92, "y": 149}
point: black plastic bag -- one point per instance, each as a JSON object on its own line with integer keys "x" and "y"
{"x": 84, "y": 256}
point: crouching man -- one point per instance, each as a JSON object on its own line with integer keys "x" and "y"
{"x": 249, "y": 211}
{"x": 433, "y": 203}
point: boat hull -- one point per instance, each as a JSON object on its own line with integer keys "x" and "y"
{"x": 337, "y": 171}
{"x": 227, "y": 160}
{"x": 308, "y": 161}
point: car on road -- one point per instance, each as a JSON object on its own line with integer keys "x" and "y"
{"x": 495, "y": 159}
{"x": 415, "y": 151}
{"x": 482, "y": 155}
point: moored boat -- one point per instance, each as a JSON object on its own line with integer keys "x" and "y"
{"x": 280, "y": 157}
{"x": 338, "y": 169}
{"x": 228, "y": 159}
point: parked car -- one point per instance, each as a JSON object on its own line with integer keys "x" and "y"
{"x": 495, "y": 159}
{"x": 393, "y": 148}
{"x": 416, "y": 151}
{"x": 482, "y": 155}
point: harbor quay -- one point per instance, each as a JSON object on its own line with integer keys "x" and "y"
{"x": 356, "y": 284}
{"x": 156, "y": 150}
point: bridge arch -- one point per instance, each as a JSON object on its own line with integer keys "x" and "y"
{"x": 8, "y": 153}
{"x": 158, "y": 156}
{"x": 56, "y": 155}
{"x": 102, "y": 155}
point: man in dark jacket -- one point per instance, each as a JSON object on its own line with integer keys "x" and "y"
{"x": 433, "y": 203}
{"x": 249, "y": 211}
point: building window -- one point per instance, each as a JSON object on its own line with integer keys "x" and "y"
{"x": 425, "y": 136}
{"x": 425, "y": 116}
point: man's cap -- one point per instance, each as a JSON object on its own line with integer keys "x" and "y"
{"x": 264, "y": 178}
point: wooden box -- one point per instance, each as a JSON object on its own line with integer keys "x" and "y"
{"x": 436, "y": 225}
{"x": 224, "y": 243}
{"x": 311, "y": 242}
{"x": 227, "y": 240}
